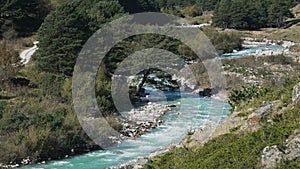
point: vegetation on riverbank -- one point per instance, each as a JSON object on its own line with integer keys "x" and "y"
{"x": 241, "y": 149}
{"x": 37, "y": 119}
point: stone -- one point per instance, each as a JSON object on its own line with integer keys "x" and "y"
{"x": 262, "y": 111}
{"x": 271, "y": 156}
{"x": 293, "y": 149}
{"x": 26, "y": 161}
{"x": 296, "y": 93}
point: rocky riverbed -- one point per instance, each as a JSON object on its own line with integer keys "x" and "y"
{"x": 141, "y": 161}
{"x": 141, "y": 120}
{"x": 252, "y": 42}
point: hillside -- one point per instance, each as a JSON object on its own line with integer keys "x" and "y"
{"x": 38, "y": 122}
{"x": 245, "y": 138}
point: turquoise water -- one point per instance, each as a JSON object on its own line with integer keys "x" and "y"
{"x": 194, "y": 113}
{"x": 252, "y": 50}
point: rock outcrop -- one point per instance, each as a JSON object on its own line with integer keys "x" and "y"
{"x": 292, "y": 150}
{"x": 141, "y": 120}
{"x": 296, "y": 93}
{"x": 272, "y": 155}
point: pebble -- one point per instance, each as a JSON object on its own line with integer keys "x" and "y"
{"x": 141, "y": 120}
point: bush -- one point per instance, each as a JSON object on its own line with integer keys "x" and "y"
{"x": 251, "y": 14}
{"x": 237, "y": 96}
{"x": 2, "y": 108}
{"x": 224, "y": 42}
{"x": 233, "y": 150}
{"x": 192, "y": 11}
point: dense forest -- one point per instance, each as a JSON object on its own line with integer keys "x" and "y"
{"x": 21, "y": 17}
{"x": 251, "y": 14}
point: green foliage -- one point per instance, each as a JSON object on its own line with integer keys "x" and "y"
{"x": 292, "y": 165}
{"x": 14, "y": 121}
{"x": 278, "y": 11}
{"x": 237, "y": 96}
{"x": 137, "y": 6}
{"x": 103, "y": 88}
{"x": 21, "y": 16}
{"x": 245, "y": 14}
{"x": 234, "y": 150}
{"x": 224, "y": 42}
{"x": 208, "y": 4}
{"x": 179, "y": 3}
{"x": 40, "y": 135}
{"x": 50, "y": 84}
{"x": 192, "y": 11}
{"x": 67, "y": 89}
{"x": 10, "y": 63}
{"x": 57, "y": 3}
{"x": 190, "y": 7}
{"x": 66, "y": 29}
{"x": 282, "y": 59}
{"x": 3, "y": 105}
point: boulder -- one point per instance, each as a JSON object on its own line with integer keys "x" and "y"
{"x": 271, "y": 156}
{"x": 263, "y": 111}
{"x": 292, "y": 150}
{"x": 296, "y": 93}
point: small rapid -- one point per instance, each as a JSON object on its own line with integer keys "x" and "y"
{"x": 191, "y": 113}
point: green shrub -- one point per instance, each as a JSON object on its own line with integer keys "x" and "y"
{"x": 232, "y": 150}
{"x": 237, "y": 96}
{"x": 2, "y": 108}
{"x": 224, "y": 42}
{"x": 239, "y": 150}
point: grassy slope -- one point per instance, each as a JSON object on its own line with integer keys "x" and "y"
{"x": 290, "y": 34}
{"x": 239, "y": 149}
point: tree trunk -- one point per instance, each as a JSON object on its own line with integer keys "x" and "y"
{"x": 142, "y": 82}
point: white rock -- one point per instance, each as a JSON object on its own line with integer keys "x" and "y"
{"x": 271, "y": 156}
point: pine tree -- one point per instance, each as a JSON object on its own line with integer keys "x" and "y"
{"x": 278, "y": 11}
{"x": 251, "y": 14}
{"x": 222, "y": 14}
{"x": 66, "y": 29}
{"x": 22, "y": 16}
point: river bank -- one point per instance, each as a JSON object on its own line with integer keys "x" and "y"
{"x": 120, "y": 155}
{"x": 262, "y": 47}
{"x": 207, "y": 128}
{"x": 137, "y": 122}
{"x": 261, "y": 132}
{"x": 234, "y": 120}
{"x": 187, "y": 116}
{"x": 141, "y": 120}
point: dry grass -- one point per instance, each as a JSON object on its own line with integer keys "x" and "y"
{"x": 21, "y": 44}
{"x": 206, "y": 17}
{"x": 296, "y": 11}
{"x": 295, "y": 48}
{"x": 289, "y": 34}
